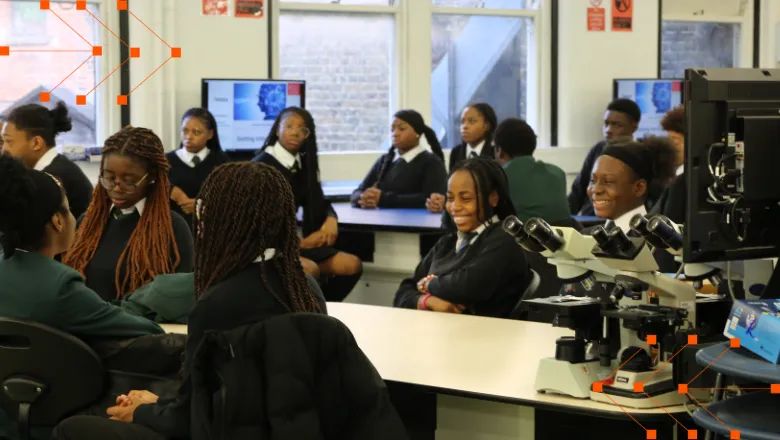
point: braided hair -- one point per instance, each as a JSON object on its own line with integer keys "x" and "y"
{"x": 490, "y": 117}
{"x": 204, "y": 116}
{"x": 488, "y": 177}
{"x": 243, "y": 209}
{"x": 148, "y": 252}
{"x": 416, "y": 121}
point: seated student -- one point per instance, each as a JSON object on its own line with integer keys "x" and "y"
{"x": 199, "y": 153}
{"x": 479, "y": 269}
{"x": 291, "y": 148}
{"x": 622, "y": 175}
{"x": 29, "y": 134}
{"x": 247, "y": 270}
{"x": 621, "y": 121}
{"x": 407, "y": 174}
{"x": 537, "y": 189}
{"x": 674, "y": 198}
{"x": 477, "y": 124}
{"x": 129, "y": 234}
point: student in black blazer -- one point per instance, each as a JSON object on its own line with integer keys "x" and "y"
{"x": 129, "y": 234}
{"x": 674, "y": 198}
{"x": 29, "y": 134}
{"x": 479, "y": 269}
{"x": 407, "y": 174}
{"x": 247, "y": 270}
{"x": 477, "y": 125}
{"x": 197, "y": 156}
{"x": 291, "y": 148}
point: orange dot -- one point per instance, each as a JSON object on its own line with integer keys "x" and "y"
{"x": 121, "y": 100}
{"x": 45, "y": 4}
{"x": 121, "y": 5}
{"x": 735, "y": 343}
{"x": 651, "y": 434}
{"x": 81, "y": 99}
{"x": 682, "y": 388}
{"x": 5, "y": 51}
{"x": 639, "y": 387}
{"x": 81, "y": 5}
{"x": 598, "y": 387}
{"x": 693, "y": 340}
{"x": 97, "y": 51}
{"x": 693, "y": 434}
{"x": 734, "y": 435}
{"x": 135, "y": 52}
{"x": 45, "y": 96}
{"x": 176, "y": 52}
{"x": 652, "y": 340}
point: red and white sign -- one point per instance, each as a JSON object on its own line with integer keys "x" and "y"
{"x": 597, "y": 19}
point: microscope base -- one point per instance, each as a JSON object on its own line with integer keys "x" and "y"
{"x": 563, "y": 377}
{"x": 658, "y": 389}
{"x": 636, "y": 400}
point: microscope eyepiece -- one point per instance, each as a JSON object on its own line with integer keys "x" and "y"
{"x": 613, "y": 241}
{"x": 514, "y": 227}
{"x": 544, "y": 234}
{"x": 639, "y": 224}
{"x": 621, "y": 240}
{"x": 664, "y": 229}
{"x": 600, "y": 235}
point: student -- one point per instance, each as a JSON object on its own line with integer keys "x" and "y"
{"x": 129, "y": 234}
{"x": 672, "y": 201}
{"x": 291, "y": 148}
{"x": 247, "y": 270}
{"x": 477, "y": 124}
{"x": 621, "y": 121}
{"x": 29, "y": 135}
{"x": 479, "y": 269}
{"x": 407, "y": 174}
{"x": 537, "y": 189}
{"x": 2, "y": 126}
{"x": 198, "y": 154}
{"x": 622, "y": 175}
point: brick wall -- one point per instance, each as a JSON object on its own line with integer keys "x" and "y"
{"x": 690, "y": 45}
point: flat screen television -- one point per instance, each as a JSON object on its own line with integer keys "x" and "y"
{"x": 655, "y": 97}
{"x": 245, "y": 109}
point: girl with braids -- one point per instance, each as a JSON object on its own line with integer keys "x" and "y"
{"x": 478, "y": 269}
{"x": 478, "y": 122}
{"x": 246, "y": 270}
{"x": 291, "y": 148}
{"x": 199, "y": 153}
{"x": 129, "y": 235}
{"x": 407, "y": 174}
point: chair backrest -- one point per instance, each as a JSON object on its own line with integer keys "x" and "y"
{"x": 71, "y": 371}
{"x": 517, "y": 312}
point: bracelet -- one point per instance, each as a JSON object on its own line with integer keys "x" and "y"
{"x": 424, "y": 301}
{"x": 424, "y": 283}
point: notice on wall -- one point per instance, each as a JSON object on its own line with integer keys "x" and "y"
{"x": 596, "y": 20}
{"x": 249, "y": 8}
{"x": 622, "y": 15}
{"x": 215, "y": 7}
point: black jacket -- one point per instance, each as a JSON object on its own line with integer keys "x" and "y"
{"x": 458, "y": 154}
{"x": 298, "y": 376}
{"x": 76, "y": 184}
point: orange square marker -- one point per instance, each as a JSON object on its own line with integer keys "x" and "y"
{"x": 639, "y": 387}
{"x": 121, "y": 99}
{"x": 693, "y": 434}
{"x": 651, "y": 434}
{"x": 735, "y": 343}
{"x": 682, "y": 388}
{"x": 81, "y": 99}
{"x": 121, "y": 5}
{"x": 5, "y": 51}
{"x": 45, "y": 96}
{"x": 774, "y": 388}
{"x": 598, "y": 387}
{"x": 176, "y": 52}
{"x": 693, "y": 340}
{"x": 652, "y": 340}
{"x": 135, "y": 52}
{"x": 97, "y": 51}
{"x": 734, "y": 435}
{"x": 45, "y": 4}
{"x": 81, "y": 5}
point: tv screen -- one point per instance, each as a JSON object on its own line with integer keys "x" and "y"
{"x": 245, "y": 109}
{"x": 655, "y": 97}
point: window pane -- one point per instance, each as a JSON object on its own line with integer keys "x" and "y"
{"x": 344, "y": 2}
{"x": 690, "y": 45}
{"x": 488, "y": 4}
{"x": 478, "y": 59}
{"x": 40, "y": 68}
{"x": 345, "y": 60}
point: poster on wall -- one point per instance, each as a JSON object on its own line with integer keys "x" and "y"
{"x": 215, "y": 7}
{"x": 249, "y": 8}
{"x": 596, "y": 19}
{"x": 622, "y": 15}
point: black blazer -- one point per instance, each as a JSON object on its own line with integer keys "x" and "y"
{"x": 458, "y": 154}
{"x": 77, "y": 186}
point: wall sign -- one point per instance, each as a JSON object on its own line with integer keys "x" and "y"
{"x": 622, "y": 15}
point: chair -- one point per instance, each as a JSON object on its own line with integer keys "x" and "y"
{"x": 46, "y": 374}
{"x": 517, "y": 312}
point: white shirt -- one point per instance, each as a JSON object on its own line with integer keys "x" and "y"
{"x": 46, "y": 159}
{"x": 624, "y": 221}
{"x": 409, "y": 155}
{"x": 680, "y": 170}
{"x": 138, "y": 206}
{"x": 267, "y": 255}
{"x": 478, "y": 231}
{"x": 187, "y": 157}
{"x": 476, "y": 150}
{"x": 284, "y": 157}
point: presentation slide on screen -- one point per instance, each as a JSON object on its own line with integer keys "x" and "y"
{"x": 655, "y": 98}
{"x": 246, "y": 110}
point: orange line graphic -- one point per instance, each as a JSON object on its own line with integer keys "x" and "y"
{"x": 71, "y": 28}
{"x": 50, "y": 51}
{"x": 621, "y": 408}
{"x": 71, "y": 74}
{"x": 107, "y": 76}
{"x": 107, "y": 28}
{"x": 708, "y": 366}
{"x": 705, "y": 409}
{"x": 666, "y": 362}
{"x": 667, "y": 412}
{"x": 150, "y": 75}
{"x": 150, "y": 29}
{"x": 624, "y": 363}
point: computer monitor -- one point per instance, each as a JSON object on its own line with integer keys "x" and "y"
{"x": 655, "y": 97}
{"x": 245, "y": 109}
{"x": 732, "y": 163}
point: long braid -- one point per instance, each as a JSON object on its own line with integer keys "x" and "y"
{"x": 245, "y": 208}
{"x": 148, "y": 252}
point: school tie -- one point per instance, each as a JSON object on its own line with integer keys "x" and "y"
{"x": 119, "y": 215}
{"x": 466, "y": 240}
{"x": 295, "y": 168}
{"x": 196, "y": 160}
{"x": 473, "y": 154}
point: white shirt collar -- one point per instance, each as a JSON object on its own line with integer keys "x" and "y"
{"x": 623, "y": 222}
{"x": 267, "y": 255}
{"x": 477, "y": 149}
{"x": 284, "y": 157}
{"x": 46, "y": 159}
{"x": 187, "y": 157}
{"x": 138, "y": 206}
{"x": 478, "y": 232}
{"x": 409, "y": 155}
{"x": 680, "y": 169}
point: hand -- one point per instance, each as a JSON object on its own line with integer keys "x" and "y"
{"x": 370, "y": 198}
{"x": 330, "y": 231}
{"x": 188, "y": 206}
{"x": 436, "y": 304}
{"x": 144, "y": 397}
{"x": 422, "y": 285}
{"x": 315, "y": 240}
{"x": 435, "y": 203}
{"x": 124, "y": 413}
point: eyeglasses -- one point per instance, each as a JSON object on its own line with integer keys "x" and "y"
{"x": 303, "y": 131}
{"x": 127, "y": 188}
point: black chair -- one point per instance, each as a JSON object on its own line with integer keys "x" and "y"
{"x": 46, "y": 374}
{"x": 518, "y": 312}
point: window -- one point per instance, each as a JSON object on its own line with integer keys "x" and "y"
{"x": 35, "y": 65}
{"x": 487, "y": 4}
{"x": 687, "y": 44}
{"x": 481, "y": 58}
